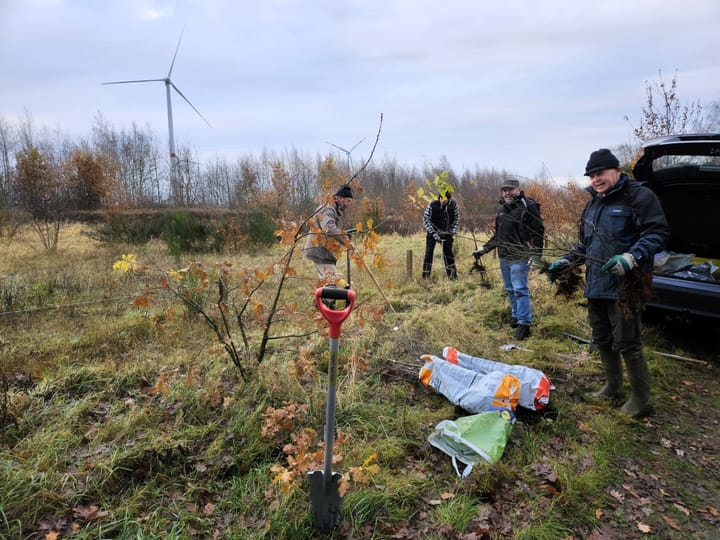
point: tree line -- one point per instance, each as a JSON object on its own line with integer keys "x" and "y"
{"x": 45, "y": 174}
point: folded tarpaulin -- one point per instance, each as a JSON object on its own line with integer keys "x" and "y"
{"x": 535, "y": 387}
{"x": 475, "y": 392}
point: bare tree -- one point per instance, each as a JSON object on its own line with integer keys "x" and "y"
{"x": 135, "y": 154}
{"x": 711, "y": 120}
{"x": 219, "y": 183}
{"x": 668, "y": 117}
{"x": 6, "y": 163}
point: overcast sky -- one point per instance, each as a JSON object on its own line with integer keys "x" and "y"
{"x": 521, "y": 85}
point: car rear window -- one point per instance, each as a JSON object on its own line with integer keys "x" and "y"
{"x": 674, "y": 161}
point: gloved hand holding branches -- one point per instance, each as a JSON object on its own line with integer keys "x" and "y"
{"x": 480, "y": 252}
{"x": 535, "y": 261}
{"x": 556, "y": 268}
{"x": 619, "y": 265}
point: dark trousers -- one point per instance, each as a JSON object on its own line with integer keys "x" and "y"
{"x": 613, "y": 328}
{"x": 448, "y": 257}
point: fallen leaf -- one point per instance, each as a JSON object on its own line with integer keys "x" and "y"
{"x": 631, "y": 490}
{"x": 209, "y": 509}
{"x": 161, "y": 386}
{"x": 52, "y": 535}
{"x": 549, "y": 488}
{"x": 599, "y": 514}
{"x": 671, "y": 523}
{"x": 141, "y": 302}
{"x": 446, "y": 496}
{"x": 643, "y": 527}
{"x": 89, "y": 513}
{"x": 343, "y": 486}
{"x": 682, "y": 509}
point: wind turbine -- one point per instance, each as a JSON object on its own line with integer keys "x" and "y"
{"x": 168, "y": 84}
{"x": 347, "y": 152}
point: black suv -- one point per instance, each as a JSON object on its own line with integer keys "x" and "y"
{"x": 684, "y": 172}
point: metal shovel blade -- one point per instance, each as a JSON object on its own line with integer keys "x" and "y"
{"x": 325, "y": 500}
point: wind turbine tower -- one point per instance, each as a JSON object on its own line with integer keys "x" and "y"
{"x": 169, "y": 84}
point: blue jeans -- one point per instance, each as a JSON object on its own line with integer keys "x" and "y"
{"x": 515, "y": 279}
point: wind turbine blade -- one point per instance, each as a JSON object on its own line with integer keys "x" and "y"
{"x": 356, "y": 144}
{"x": 176, "y": 51}
{"x": 140, "y": 80}
{"x": 188, "y": 102}
{"x": 338, "y": 147}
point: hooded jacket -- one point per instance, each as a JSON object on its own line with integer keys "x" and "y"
{"x": 628, "y": 218}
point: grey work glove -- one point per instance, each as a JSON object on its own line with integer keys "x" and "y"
{"x": 437, "y": 238}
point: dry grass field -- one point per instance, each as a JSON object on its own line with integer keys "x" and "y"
{"x": 132, "y": 422}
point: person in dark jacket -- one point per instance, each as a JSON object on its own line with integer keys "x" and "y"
{"x": 441, "y": 220}
{"x": 329, "y": 236}
{"x": 518, "y": 237}
{"x": 622, "y": 227}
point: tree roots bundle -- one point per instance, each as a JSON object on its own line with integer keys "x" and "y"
{"x": 634, "y": 291}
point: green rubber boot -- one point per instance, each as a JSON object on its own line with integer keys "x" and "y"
{"x": 639, "y": 405}
{"x": 613, "y": 387}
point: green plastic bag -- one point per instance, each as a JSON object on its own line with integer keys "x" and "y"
{"x": 475, "y": 438}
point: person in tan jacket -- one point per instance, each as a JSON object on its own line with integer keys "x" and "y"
{"x": 328, "y": 236}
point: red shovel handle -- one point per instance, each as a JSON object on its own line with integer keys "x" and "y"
{"x": 335, "y": 317}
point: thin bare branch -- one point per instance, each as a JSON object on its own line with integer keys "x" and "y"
{"x": 369, "y": 159}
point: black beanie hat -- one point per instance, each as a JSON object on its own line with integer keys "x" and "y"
{"x": 600, "y": 160}
{"x": 344, "y": 191}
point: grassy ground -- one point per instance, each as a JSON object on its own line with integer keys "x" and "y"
{"x": 124, "y": 423}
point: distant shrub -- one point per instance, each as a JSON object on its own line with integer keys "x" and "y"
{"x": 184, "y": 232}
{"x": 130, "y": 227}
{"x": 261, "y": 229}
{"x": 189, "y": 230}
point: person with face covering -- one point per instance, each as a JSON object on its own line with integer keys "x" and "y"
{"x": 518, "y": 237}
{"x": 329, "y": 235}
{"x": 441, "y": 220}
{"x": 622, "y": 227}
